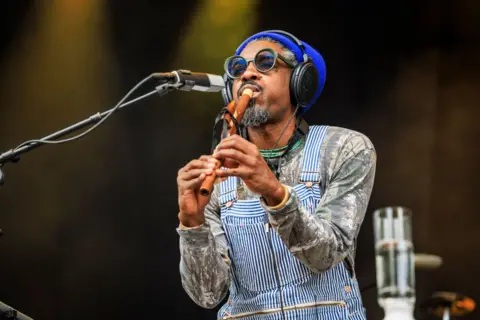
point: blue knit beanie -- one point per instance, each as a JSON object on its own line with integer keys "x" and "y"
{"x": 293, "y": 46}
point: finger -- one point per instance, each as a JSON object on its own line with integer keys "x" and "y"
{"x": 237, "y": 142}
{"x": 194, "y": 173}
{"x": 206, "y": 158}
{"x": 234, "y": 155}
{"x": 230, "y": 163}
{"x": 191, "y": 165}
{"x": 194, "y": 183}
{"x": 227, "y": 172}
{"x": 203, "y": 162}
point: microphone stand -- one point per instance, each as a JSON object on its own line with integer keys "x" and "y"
{"x": 170, "y": 83}
{"x": 9, "y": 313}
{"x": 13, "y": 154}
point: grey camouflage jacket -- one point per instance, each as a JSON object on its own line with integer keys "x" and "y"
{"x": 320, "y": 241}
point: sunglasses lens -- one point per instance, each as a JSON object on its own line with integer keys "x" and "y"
{"x": 265, "y": 60}
{"x": 236, "y": 66}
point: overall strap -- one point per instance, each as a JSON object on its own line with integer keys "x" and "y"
{"x": 312, "y": 154}
{"x": 311, "y": 168}
{"x": 228, "y": 190}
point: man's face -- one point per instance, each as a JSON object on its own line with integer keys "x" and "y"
{"x": 271, "y": 89}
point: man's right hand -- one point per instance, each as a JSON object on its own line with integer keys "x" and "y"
{"x": 189, "y": 179}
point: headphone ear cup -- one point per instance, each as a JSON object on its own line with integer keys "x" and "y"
{"x": 303, "y": 84}
{"x": 227, "y": 91}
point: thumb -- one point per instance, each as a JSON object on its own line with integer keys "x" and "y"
{"x": 203, "y": 200}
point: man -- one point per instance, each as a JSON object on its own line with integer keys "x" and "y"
{"x": 279, "y": 232}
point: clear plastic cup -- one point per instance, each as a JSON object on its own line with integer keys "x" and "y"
{"x": 394, "y": 255}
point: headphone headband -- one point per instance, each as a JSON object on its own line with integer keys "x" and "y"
{"x": 294, "y": 39}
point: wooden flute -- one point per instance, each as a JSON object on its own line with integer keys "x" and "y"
{"x": 239, "y": 109}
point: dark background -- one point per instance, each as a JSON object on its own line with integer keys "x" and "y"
{"x": 89, "y": 226}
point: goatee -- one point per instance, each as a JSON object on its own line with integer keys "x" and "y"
{"x": 254, "y": 116}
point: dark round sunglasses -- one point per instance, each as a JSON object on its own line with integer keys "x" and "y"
{"x": 263, "y": 61}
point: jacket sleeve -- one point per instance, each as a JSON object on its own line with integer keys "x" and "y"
{"x": 204, "y": 262}
{"x": 325, "y": 238}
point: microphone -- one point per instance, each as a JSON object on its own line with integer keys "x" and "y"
{"x": 187, "y": 80}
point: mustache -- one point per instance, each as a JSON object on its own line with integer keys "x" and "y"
{"x": 247, "y": 83}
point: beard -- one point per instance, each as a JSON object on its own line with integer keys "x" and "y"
{"x": 254, "y": 116}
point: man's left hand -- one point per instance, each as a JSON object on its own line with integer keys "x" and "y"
{"x": 242, "y": 158}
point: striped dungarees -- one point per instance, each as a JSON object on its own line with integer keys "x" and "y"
{"x": 265, "y": 275}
